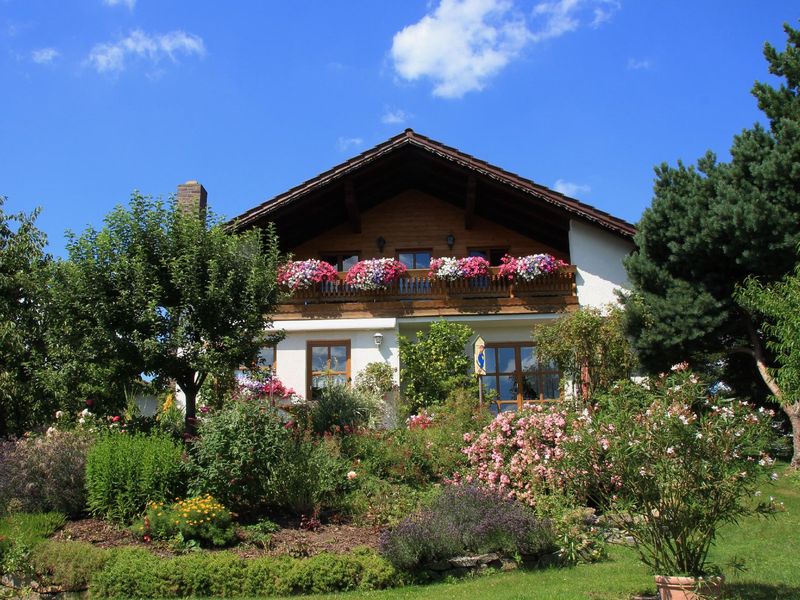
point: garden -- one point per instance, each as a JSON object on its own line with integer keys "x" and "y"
{"x": 669, "y": 465}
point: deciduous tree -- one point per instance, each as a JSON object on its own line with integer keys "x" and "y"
{"x": 165, "y": 292}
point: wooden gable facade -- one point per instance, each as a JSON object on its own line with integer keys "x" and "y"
{"x": 414, "y": 198}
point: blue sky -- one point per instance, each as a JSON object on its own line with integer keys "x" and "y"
{"x": 101, "y": 97}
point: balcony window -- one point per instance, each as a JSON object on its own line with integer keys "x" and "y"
{"x": 415, "y": 259}
{"x": 341, "y": 260}
{"x": 493, "y": 255}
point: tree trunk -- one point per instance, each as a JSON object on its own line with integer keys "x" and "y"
{"x": 190, "y": 411}
{"x": 793, "y": 412}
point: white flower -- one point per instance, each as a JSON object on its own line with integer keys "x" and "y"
{"x": 85, "y": 412}
{"x": 670, "y": 451}
{"x": 698, "y": 435}
{"x": 758, "y": 493}
{"x": 351, "y": 475}
{"x": 59, "y": 414}
{"x": 50, "y": 431}
{"x": 774, "y": 476}
{"x": 81, "y": 420}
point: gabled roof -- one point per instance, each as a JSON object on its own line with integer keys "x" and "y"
{"x": 409, "y": 138}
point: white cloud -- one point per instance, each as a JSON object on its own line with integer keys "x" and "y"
{"x": 462, "y": 44}
{"x": 396, "y": 116}
{"x": 635, "y": 64}
{"x": 111, "y": 57}
{"x": 44, "y": 56}
{"x": 569, "y": 188}
{"x": 129, "y": 3}
{"x": 344, "y": 144}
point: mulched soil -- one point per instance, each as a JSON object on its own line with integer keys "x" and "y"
{"x": 291, "y": 540}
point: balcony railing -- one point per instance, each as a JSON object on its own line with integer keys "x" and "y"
{"x": 417, "y": 285}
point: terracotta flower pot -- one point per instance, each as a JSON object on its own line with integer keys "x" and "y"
{"x": 688, "y": 588}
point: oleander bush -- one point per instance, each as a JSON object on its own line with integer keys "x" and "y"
{"x": 466, "y": 519}
{"x": 124, "y": 472}
{"x": 200, "y": 518}
{"x": 45, "y": 472}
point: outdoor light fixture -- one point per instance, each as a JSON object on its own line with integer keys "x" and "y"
{"x": 380, "y": 243}
{"x": 451, "y": 240}
{"x": 378, "y": 337}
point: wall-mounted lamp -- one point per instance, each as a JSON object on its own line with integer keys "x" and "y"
{"x": 378, "y": 337}
{"x": 380, "y": 242}
{"x": 451, "y": 240}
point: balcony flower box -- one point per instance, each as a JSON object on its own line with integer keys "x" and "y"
{"x": 528, "y": 268}
{"x": 454, "y": 269}
{"x": 374, "y": 274}
{"x": 303, "y": 274}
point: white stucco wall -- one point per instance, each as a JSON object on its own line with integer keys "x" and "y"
{"x": 291, "y": 352}
{"x": 598, "y": 256}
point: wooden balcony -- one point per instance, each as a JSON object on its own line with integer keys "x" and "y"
{"x": 416, "y": 294}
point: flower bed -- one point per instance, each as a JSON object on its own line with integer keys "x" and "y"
{"x": 375, "y": 273}
{"x": 453, "y": 269}
{"x": 528, "y": 268}
{"x": 303, "y": 274}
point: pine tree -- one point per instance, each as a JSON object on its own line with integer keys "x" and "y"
{"x": 712, "y": 226}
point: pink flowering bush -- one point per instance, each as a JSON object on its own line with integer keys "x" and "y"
{"x": 303, "y": 274}
{"x": 422, "y": 420}
{"x": 523, "y": 455}
{"x": 452, "y": 269}
{"x": 375, "y": 273}
{"x": 528, "y": 268}
{"x": 679, "y": 462}
{"x": 264, "y": 388}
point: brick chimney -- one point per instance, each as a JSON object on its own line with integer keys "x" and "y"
{"x": 192, "y": 197}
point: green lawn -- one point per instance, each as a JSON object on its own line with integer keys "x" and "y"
{"x": 768, "y": 548}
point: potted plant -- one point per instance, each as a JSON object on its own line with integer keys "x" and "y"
{"x": 303, "y": 274}
{"x": 374, "y": 273}
{"x": 679, "y": 462}
{"x": 528, "y": 268}
{"x": 449, "y": 268}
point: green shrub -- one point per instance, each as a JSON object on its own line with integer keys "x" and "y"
{"x": 200, "y": 518}
{"x": 238, "y": 457}
{"x": 69, "y": 565}
{"x": 312, "y": 475}
{"x": 138, "y": 574}
{"x": 20, "y": 533}
{"x": 125, "y": 472}
{"x": 337, "y": 409}
{"x": 375, "y": 501}
{"x": 435, "y": 364}
{"x": 45, "y": 473}
{"x": 466, "y": 520}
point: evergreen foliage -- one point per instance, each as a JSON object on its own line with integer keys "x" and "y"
{"x": 712, "y": 226}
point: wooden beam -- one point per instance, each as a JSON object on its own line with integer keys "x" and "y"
{"x": 353, "y": 214}
{"x": 469, "y": 212}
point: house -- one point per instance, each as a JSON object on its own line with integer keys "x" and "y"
{"x": 413, "y": 198}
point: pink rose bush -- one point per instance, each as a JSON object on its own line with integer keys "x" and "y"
{"x": 452, "y": 269}
{"x": 303, "y": 274}
{"x": 528, "y": 268}
{"x": 375, "y": 273}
